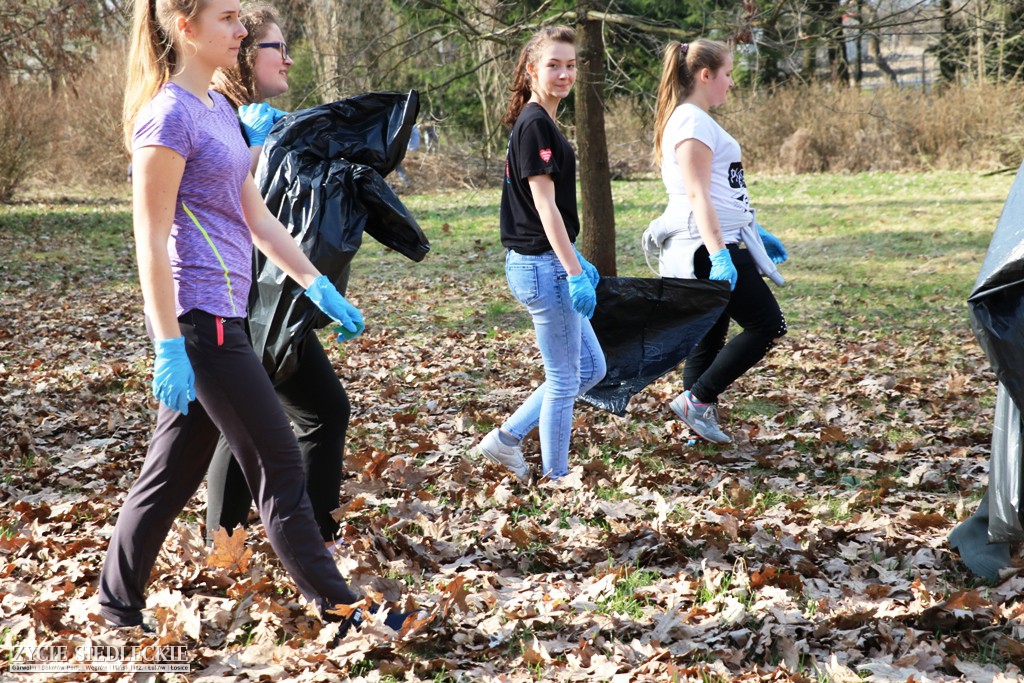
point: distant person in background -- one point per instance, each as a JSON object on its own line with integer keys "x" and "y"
{"x": 414, "y": 145}
{"x": 313, "y": 397}
{"x": 539, "y": 226}
{"x": 431, "y": 140}
{"x": 708, "y": 229}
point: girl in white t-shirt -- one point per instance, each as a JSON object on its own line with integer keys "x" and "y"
{"x": 708, "y": 230}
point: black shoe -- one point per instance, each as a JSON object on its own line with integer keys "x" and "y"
{"x": 143, "y": 626}
{"x": 394, "y": 620}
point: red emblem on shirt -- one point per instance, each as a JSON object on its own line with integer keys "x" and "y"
{"x": 545, "y": 154}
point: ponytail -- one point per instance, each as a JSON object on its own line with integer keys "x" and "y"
{"x": 152, "y": 57}
{"x": 521, "y": 82}
{"x": 681, "y": 63}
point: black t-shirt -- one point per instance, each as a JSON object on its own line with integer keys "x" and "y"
{"x": 536, "y": 147}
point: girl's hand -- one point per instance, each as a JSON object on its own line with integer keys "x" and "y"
{"x": 588, "y": 268}
{"x": 258, "y": 119}
{"x": 723, "y": 269}
{"x": 773, "y": 246}
{"x": 581, "y": 291}
{"x": 329, "y": 300}
{"x": 173, "y": 378}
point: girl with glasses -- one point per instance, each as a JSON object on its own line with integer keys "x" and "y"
{"x": 313, "y": 397}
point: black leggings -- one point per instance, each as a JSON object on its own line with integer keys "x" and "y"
{"x": 234, "y": 398}
{"x": 714, "y": 365}
{"x": 318, "y": 407}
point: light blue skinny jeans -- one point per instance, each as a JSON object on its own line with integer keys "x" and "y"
{"x": 573, "y": 360}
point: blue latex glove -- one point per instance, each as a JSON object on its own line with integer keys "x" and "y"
{"x": 258, "y": 119}
{"x": 581, "y": 291}
{"x": 588, "y": 268}
{"x": 723, "y": 269}
{"x": 327, "y": 298}
{"x": 772, "y": 245}
{"x": 173, "y": 379}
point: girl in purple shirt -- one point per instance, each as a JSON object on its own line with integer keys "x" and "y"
{"x": 197, "y": 214}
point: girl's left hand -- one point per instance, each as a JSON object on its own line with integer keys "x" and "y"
{"x": 773, "y": 246}
{"x": 584, "y": 298}
{"x": 258, "y": 119}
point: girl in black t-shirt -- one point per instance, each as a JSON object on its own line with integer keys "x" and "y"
{"x": 546, "y": 273}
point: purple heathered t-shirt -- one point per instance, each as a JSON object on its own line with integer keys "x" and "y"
{"x": 210, "y": 244}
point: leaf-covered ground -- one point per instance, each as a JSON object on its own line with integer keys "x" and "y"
{"x": 813, "y": 549}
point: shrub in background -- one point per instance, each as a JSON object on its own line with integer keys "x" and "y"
{"x": 28, "y": 127}
{"x": 815, "y": 128}
{"x": 74, "y": 141}
{"x": 92, "y": 153}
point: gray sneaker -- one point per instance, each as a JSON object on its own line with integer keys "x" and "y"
{"x": 700, "y": 417}
{"x": 511, "y": 457}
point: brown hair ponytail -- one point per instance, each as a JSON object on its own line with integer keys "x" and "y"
{"x": 521, "y": 84}
{"x": 681, "y": 63}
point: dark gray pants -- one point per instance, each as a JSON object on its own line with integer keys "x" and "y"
{"x": 234, "y": 398}
{"x": 317, "y": 405}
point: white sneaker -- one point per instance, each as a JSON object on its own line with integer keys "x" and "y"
{"x": 700, "y": 417}
{"x": 511, "y": 457}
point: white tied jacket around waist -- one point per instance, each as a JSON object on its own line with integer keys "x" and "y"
{"x": 674, "y": 241}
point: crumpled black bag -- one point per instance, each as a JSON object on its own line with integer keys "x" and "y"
{"x": 647, "y": 327}
{"x": 997, "y": 318}
{"x": 322, "y": 174}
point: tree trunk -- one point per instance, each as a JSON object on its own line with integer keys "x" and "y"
{"x": 858, "y": 65}
{"x": 838, "y": 62}
{"x": 598, "y": 217}
{"x": 875, "y": 48}
{"x": 947, "y": 45}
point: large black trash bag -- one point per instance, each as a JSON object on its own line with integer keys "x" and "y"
{"x": 647, "y": 327}
{"x": 997, "y": 318}
{"x": 321, "y": 174}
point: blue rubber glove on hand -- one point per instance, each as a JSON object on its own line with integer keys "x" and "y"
{"x": 773, "y": 246}
{"x": 173, "y": 379}
{"x": 723, "y": 269}
{"x": 581, "y": 291}
{"x": 258, "y": 119}
{"x": 329, "y": 300}
{"x": 588, "y": 268}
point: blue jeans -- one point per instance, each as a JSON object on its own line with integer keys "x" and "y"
{"x": 573, "y": 360}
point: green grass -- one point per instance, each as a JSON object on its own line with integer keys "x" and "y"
{"x": 624, "y": 600}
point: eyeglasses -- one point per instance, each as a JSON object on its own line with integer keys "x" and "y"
{"x": 282, "y": 47}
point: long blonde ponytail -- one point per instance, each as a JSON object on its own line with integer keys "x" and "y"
{"x": 152, "y": 58}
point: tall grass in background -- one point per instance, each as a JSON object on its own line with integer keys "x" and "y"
{"x": 810, "y": 129}
{"x": 72, "y": 142}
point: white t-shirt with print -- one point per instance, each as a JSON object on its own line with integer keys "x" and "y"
{"x": 728, "y": 188}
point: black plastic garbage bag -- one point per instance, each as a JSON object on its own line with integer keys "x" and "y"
{"x": 997, "y": 301}
{"x": 647, "y": 327}
{"x": 997, "y": 318}
{"x": 321, "y": 174}
{"x": 1006, "y": 473}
